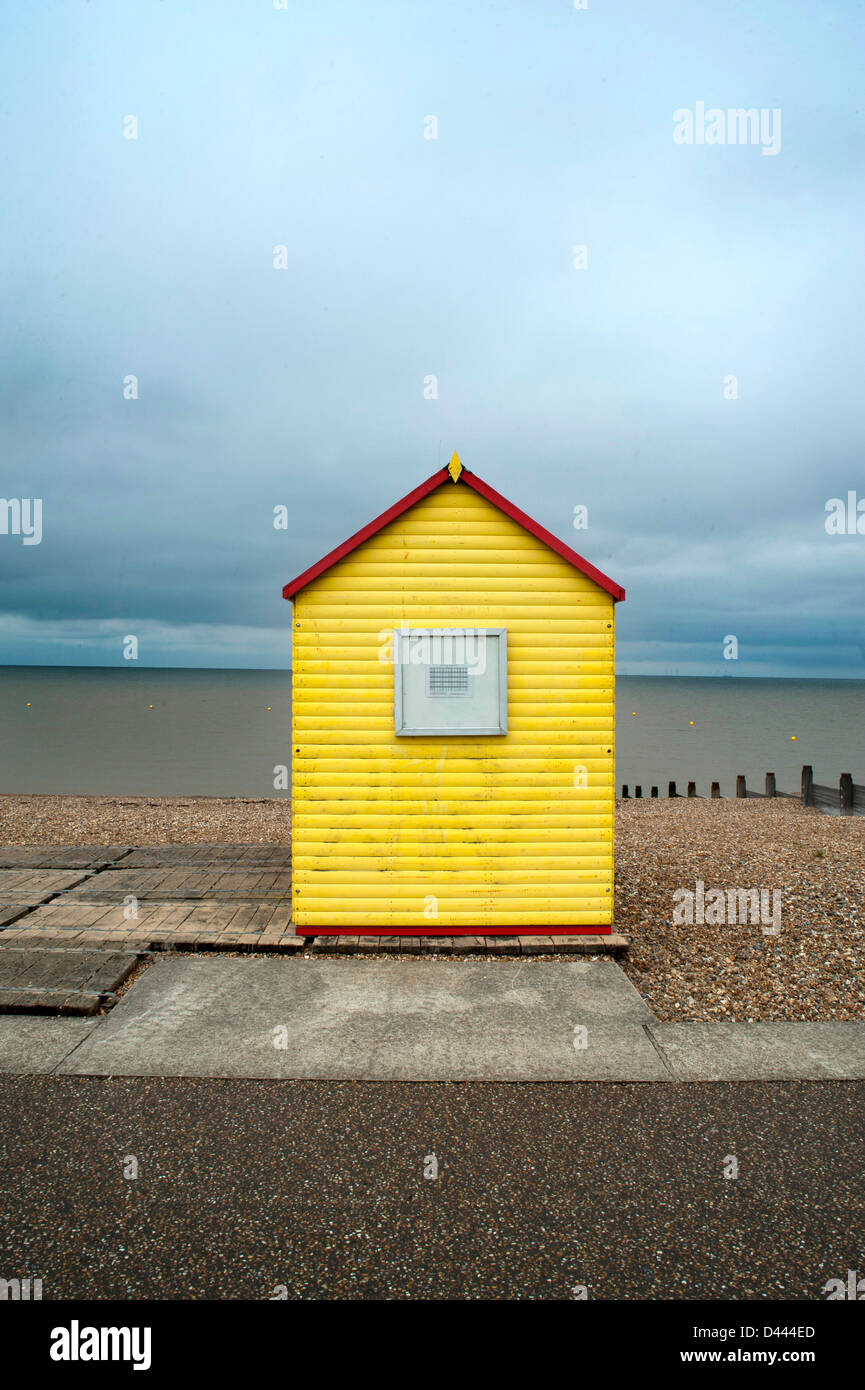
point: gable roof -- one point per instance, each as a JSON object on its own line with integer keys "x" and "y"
{"x": 457, "y": 474}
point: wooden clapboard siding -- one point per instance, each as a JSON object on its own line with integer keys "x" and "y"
{"x": 494, "y": 827}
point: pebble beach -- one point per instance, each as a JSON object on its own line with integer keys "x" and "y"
{"x": 813, "y": 969}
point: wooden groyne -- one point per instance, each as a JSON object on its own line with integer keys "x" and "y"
{"x": 847, "y": 799}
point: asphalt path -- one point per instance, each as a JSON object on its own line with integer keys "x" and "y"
{"x": 250, "y": 1189}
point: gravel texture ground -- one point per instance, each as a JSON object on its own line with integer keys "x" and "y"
{"x": 814, "y": 969}
{"x": 143, "y": 820}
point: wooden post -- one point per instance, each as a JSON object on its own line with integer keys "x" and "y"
{"x": 845, "y": 791}
{"x": 770, "y": 784}
{"x": 671, "y": 790}
{"x": 716, "y": 790}
{"x": 625, "y": 793}
{"x": 740, "y": 786}
{"x": 692, "y": 788}
{"x": 807, "y": 784}
{"x": 638, "y": 791}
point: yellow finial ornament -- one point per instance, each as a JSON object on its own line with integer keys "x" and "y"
{"x": 455, "y": 468}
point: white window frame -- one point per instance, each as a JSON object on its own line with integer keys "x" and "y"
{"x": 398, "y": 714}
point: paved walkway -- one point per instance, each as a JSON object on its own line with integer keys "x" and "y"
{"x": 199, "y": 898}
{"x": 318, "y": 1189}
{"x": 164, "y": 897}
{"x": 414, "y": 1020}
{"x": 57, "y": 980}
{"x": 296, "y": 1016}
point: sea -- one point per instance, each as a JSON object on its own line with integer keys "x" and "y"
{"x": 125, "y": 731}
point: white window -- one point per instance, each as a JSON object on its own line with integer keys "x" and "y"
{"x": 450, "y": 681}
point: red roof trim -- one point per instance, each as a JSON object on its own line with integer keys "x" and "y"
{"x": 483, "y": 490}
{"x": 364, "y": 534}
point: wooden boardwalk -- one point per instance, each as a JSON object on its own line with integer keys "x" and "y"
{"x": 50, "y": 981}
{"x": 199, "y": 898}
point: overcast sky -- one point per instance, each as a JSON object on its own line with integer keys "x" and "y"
{"x": 409, "y": 257}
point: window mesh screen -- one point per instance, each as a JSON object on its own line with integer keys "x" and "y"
{"x": 448, "y": 680}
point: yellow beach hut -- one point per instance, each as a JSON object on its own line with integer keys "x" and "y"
{"x": 453, "y": 725}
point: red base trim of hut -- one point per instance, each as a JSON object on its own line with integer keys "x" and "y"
{"x": 556, "y": 930}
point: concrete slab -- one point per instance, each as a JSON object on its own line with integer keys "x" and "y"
{"x": 32, "y": 1045}
{"x": 763, "y": 1051}
{"x": 410, "y": 1020}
